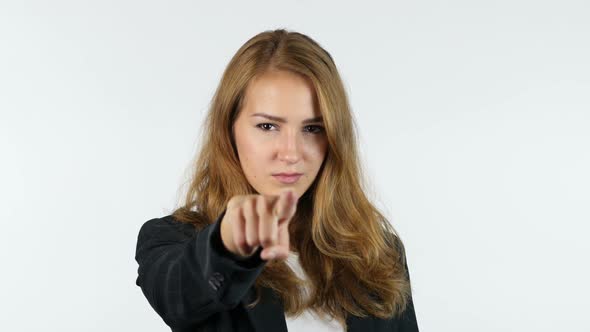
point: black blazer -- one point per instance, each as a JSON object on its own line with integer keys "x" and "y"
{"x": 195, "y": 284}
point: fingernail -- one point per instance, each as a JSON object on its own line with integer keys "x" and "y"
{"x": 271, "y": 255}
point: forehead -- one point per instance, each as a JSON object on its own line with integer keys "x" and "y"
{"x": 282, "y": 93}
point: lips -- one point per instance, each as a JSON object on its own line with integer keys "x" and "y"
{"x": 287, "y": 178}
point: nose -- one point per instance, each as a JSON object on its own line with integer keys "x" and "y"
{"x": 289, "y": 147}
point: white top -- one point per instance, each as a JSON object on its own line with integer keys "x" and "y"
{"x": 309, "y": 320}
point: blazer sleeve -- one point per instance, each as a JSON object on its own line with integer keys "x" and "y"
{"x": 187, "y": 275}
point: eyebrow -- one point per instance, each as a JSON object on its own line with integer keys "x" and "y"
{"x": 282, "y": 120}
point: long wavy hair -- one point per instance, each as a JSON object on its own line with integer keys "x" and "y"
{"x": 352, "y": 255}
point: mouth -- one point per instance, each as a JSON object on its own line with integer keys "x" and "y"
{"x": 287, "y": 178}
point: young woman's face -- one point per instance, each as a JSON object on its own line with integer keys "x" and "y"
{"x": 279, "y": 130}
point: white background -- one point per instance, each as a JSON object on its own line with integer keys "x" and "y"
{"x": 474, "y": 119}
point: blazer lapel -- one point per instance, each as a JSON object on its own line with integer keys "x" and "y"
{"x": 268, "y": 314}
{"x": 358, "y": 324}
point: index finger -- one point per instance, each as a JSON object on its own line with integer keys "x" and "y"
{"x": 285, "y": 206}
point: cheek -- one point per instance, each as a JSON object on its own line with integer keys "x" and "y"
{"x": 252, "y": 152}
{"x": 255, "y": 146}
{"x": 316, "y": 149}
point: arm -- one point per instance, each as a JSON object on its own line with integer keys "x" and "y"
{"x": 187, "y": 275}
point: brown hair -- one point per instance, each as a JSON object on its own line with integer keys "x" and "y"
{"x": 351, "y": 253}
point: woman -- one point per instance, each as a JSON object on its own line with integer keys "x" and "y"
{"x": 276, "y": 231}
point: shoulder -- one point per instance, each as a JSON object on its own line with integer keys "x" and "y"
{"x": 165, "y": 226}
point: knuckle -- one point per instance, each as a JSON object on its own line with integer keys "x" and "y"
{"x": 252, "y": 205}
{"x": 266, "y": 240}
{"x": 231, "y": 202}
{"x": 247, "y": 208}
{"x": 252, "y": 243}
{"x": 259, "y": 204}
{"x": 241, "y": 244}
{"x": 235, "y": 201}
{"x": 262, "y": 208}
{"x": 245, "y": 245}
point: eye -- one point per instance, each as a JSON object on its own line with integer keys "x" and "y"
{"x": 316, "y": 129}
{"x": 264, "y": 126}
